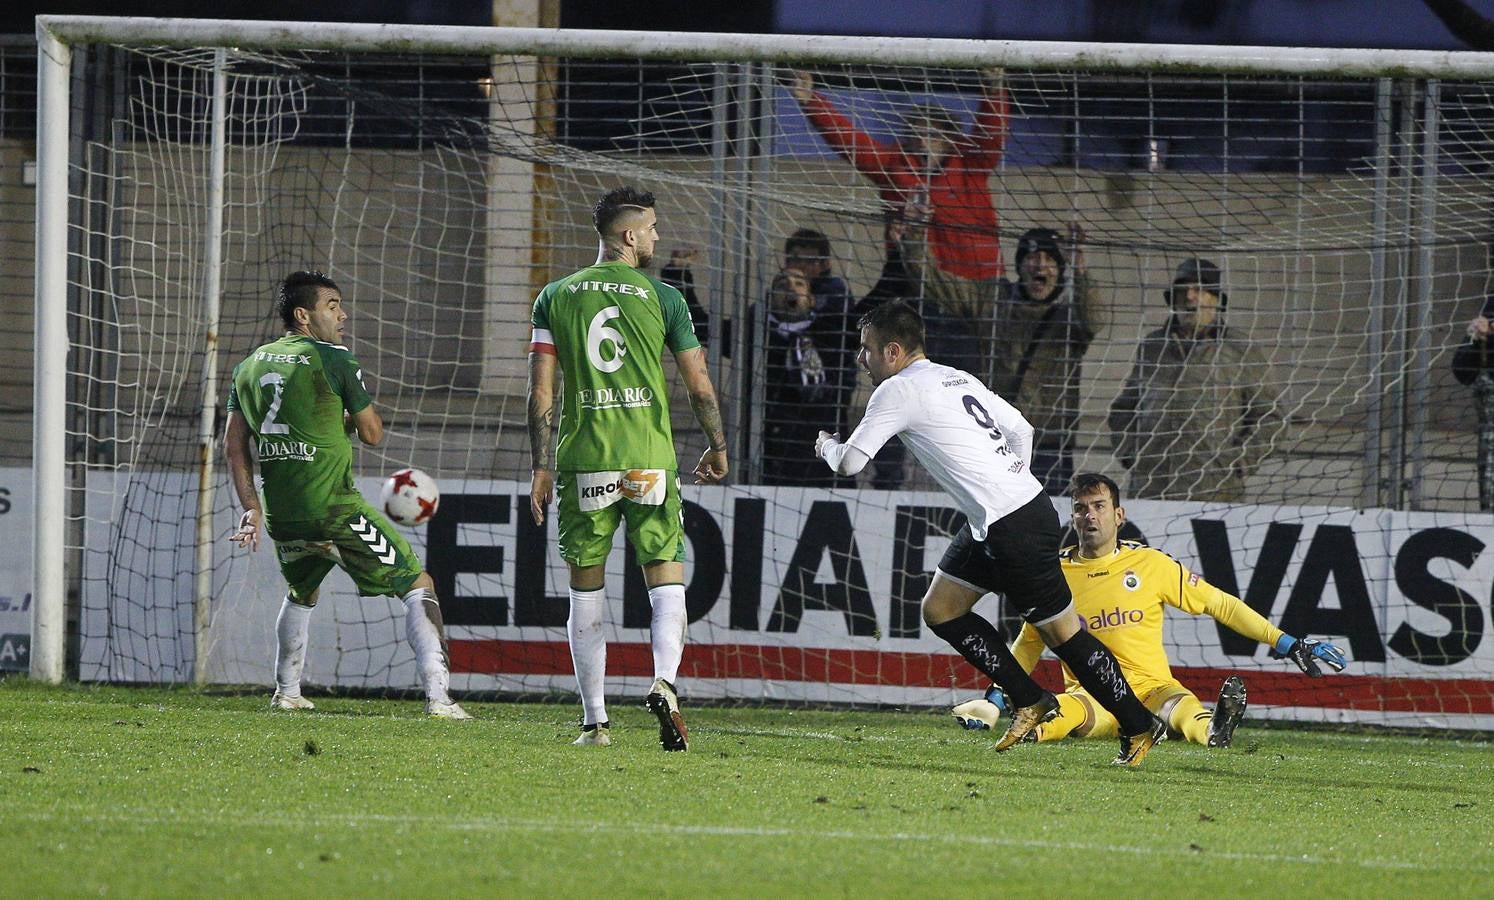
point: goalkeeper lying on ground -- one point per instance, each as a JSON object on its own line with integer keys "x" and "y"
{"x": 1120, "y": 588}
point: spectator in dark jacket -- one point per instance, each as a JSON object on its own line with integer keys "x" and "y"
{"x": 901, "y": 280}
{"x": 1473, "y": 364}
{"x": 1473, "y": 358}
{"x": 1189, "y": 421}
{"x": 808, "y": 251}
{"x": 1044, "y": 323}
{"x": 809, "y": 371}
{"x": 678, "y": 275}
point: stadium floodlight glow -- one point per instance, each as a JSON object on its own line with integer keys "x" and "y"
{"x": 443, "y": 175}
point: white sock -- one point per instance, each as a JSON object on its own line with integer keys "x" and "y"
{"x": 290, "y": 646}
{"x": 425, "y": 640}
{"x": 589, "y": 651}
{"x": 668, "y": 629}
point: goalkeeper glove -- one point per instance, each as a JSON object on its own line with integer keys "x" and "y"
{"x": 1308, "y": 652}
{"x": 978, "y": 715}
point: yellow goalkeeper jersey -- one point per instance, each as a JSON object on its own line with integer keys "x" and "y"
{"x": 1122, "y": 597}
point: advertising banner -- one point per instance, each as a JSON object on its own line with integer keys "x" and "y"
{"x": 813, "y": 595}
{"x": 15, "y": 569}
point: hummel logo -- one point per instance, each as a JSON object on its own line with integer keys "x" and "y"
{"x": 376, "y": 542}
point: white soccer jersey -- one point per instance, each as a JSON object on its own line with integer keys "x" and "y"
{"x": 975, "y": 444}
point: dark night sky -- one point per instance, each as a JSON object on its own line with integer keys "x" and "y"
{"x": 682, "y": 15}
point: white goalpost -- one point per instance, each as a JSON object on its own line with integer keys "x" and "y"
{"x": 442, "y": 175}
{"x": 54, "y": 60}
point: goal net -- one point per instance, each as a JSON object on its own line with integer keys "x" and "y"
{"x": 1307, "y": 447}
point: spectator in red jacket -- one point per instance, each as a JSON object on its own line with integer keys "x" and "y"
{"x": 938, "y": 166}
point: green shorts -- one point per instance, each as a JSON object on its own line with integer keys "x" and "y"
{"x": 590, "y": 504}
{"x": 361, "y": 541}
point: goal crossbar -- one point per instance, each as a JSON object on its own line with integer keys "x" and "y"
{"x": 799, "y": 49}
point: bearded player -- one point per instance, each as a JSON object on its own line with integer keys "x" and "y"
{"x": 1106, "y": 574}
{"x": 979, "y": 448}
{"x": 605, "y": 328}
{"x": 293, "y": 403}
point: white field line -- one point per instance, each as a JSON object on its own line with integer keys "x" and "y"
{"x": 155, "y": 819}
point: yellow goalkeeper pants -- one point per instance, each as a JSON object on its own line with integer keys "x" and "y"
{"x": 1081, "y": 717}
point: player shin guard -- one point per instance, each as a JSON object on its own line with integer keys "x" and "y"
{"x": 290, "y": 646}
{"x": 667, "y": 630}
{"x": 589, "y": 651}
{"x": 980, "y": 643}
{"x": 423, "y": 628}
{"x": 1096, "y": 668}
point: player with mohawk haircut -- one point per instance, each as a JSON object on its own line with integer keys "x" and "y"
{"x": 605, "y": 328}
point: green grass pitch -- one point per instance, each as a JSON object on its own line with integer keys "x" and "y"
{"x": 134, "y": 792}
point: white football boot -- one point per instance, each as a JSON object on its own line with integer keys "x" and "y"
{"x": 449, "y": 709}
{"x": 289, "y": 702}
{"x": 598, "y": 735}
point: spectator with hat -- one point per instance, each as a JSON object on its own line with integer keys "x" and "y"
{"x": 1198, "y": 411}
{"x": 1043, "y": 324}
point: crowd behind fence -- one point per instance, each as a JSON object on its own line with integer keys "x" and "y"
{"x": 1074, "y": 369}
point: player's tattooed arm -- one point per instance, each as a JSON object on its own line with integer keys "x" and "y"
{"x": 542, "y": 375}
{"x": 708, "y": 414}
{"x": 541, "y": 410}
{"x": 540, "y": 427}
{"x": 713, "y": 464}
{"x": 697, "y": 378}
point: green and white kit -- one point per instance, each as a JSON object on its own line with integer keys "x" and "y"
{"x": 293, "y": 393}
{"x": 608, "y": 326}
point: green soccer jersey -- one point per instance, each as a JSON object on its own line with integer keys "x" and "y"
{"x": 608, "y": 326}
{"x": 293, "y": 393}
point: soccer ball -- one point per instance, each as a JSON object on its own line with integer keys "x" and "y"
{"x": 410, "y": 497}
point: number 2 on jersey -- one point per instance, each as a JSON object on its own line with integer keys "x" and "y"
{"x": 269, "y": 425}
{"x": 984, "y": 420}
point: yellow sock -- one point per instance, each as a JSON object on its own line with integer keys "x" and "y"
{"x": 1079, "y": 716}
{"x": 1190, "y": 718}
